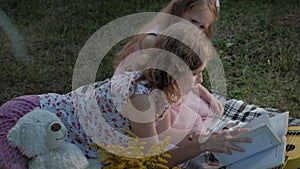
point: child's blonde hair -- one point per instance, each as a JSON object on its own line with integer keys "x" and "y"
{"x": 188, "y": 44}
{"x": 176, "y": 8}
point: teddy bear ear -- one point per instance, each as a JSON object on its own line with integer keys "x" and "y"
{"x": 13, "y": 136}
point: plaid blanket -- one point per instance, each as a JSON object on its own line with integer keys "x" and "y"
{"x": 235, "y": 110}
{"x": 239, "y": 110}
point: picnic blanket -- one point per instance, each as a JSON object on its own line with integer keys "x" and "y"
{"x": 234, "y": 110}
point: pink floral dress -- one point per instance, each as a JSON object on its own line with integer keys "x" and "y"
{"x": 95, "y": 115}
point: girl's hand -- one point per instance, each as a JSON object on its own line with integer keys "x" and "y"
{"x": 216, "y": 106}
{"x": 214, "y": 103}
{"x": 223, "y": 142}
{"x": 169, "y": 8}
{"x": 174, "y": 1}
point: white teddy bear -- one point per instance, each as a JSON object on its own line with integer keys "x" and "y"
{"x": 40, "y": 136}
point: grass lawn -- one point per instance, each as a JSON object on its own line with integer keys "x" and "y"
{"x": 258, "y": 42}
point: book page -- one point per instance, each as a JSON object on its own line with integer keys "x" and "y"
{"x": 258, "y": 121}
{"x": 279, "y": 123}
{"x": 269, "y": 158}
{"x": 262, "y": 137}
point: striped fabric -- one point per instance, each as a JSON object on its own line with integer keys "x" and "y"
{"x": 240, "y": 110}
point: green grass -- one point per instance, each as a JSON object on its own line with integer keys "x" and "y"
{"x": 258, "y": 42}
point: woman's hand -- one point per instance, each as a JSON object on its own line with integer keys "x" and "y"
{"x": 223, "y": 142}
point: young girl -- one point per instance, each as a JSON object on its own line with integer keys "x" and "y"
{"x": 201, "y": 13}
{"x": 135, "y": 101}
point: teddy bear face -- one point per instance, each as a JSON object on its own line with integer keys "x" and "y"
{"x": 38, "y": 132}
{"x": 56, "y": 135}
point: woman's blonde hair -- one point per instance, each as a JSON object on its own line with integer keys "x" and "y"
{"x": 176, "y": 8}
{"x": 188, "y": 44}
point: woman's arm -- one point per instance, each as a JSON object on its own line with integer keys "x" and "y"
{"x": 217, "y": 142}
{"x": 141, "y": 111}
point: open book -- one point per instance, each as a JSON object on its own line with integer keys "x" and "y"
{"x": 267, "y": 149}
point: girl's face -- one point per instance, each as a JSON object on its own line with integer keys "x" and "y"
{"x": 198, "y": 74}
{"x": 201, "y": 18}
